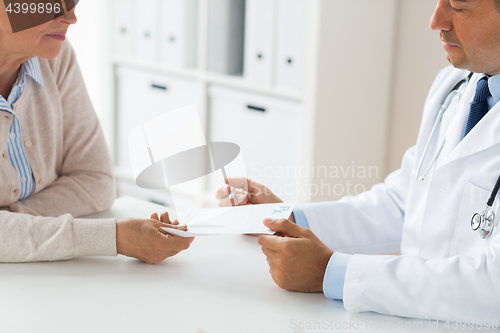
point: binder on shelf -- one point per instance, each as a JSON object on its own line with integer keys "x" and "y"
{"x": 123, "y": 27}
{"x": 145, "y": 36}
{"x": 291, "y": 28}
{"x": 259, "y": 41}
{"x": 178, "y": 37}
{"x": 226, "y": 34}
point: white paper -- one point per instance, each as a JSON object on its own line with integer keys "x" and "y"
{"x": 232, "y": 220}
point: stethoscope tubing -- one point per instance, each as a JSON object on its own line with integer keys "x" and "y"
{"x": 446, "y": 104}
{"x": 494, "y": 193}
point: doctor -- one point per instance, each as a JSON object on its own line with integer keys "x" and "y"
{"x": 446, "y": 270}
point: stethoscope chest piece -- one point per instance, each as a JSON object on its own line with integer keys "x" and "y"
{"x": 483, "y": 223}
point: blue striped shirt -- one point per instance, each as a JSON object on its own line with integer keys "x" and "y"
{"x": 17, "y": 155}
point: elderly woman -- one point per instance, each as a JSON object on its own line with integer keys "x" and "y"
{"x": 54, "y": 164}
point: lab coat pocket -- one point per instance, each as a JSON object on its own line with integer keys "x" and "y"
{"x": 465, "y": 240}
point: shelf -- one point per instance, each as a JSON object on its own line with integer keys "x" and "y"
{"x": 210, "y": 78}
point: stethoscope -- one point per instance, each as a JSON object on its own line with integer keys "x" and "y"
{"x": 483, "y": 223}
{"x": 446, "y": 104}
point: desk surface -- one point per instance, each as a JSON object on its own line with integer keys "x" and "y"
{"x": 221, "y": 284}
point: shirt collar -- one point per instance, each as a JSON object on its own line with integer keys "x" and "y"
{"x": 494, "y": 85}
{"x": 31, "y": 68}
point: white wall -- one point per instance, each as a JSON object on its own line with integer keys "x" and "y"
{"x": 91, "y": 41}
{"x": 355, "y": 73}
{"x": 419, "y": 57}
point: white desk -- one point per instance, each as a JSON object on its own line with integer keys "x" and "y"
{"x": 221, "y": 284}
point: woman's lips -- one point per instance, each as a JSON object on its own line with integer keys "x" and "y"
{"x": 57, "y": 36}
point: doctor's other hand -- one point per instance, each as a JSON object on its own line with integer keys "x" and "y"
{"x": 296, "y": 257}
{"x": 245, "y": 192}
{"x": 145, "y": 240}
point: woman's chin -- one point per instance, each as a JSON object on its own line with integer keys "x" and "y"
{"x": 50, "y": 51}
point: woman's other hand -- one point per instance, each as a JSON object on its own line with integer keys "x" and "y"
{"x": 146, "y": 240}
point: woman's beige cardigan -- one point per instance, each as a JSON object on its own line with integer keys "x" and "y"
{"x": 72, "y": 169}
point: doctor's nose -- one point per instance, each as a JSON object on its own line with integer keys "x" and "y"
{"x": 440, "y": 20}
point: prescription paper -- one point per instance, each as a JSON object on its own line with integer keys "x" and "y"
{"x": 232, "y": 220}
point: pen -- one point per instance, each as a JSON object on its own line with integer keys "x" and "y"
{"x": 227, "y": 182}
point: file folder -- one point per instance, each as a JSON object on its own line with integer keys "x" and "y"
{"x": 226, "y": 34}
{"x": 291, "y": 28}
{"x": 145, "y": 41}
{"x": 178, "y": 38}
{"x": 123, "y": 27}
{"x": 259, "y": 41}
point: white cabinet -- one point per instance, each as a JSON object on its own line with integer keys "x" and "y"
{"x": 143, "y": 96}
{"x": 267, "y": 131}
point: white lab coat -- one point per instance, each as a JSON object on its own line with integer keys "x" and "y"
{"x": 446, "y": 271}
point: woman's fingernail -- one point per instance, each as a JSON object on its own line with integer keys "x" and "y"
{"x": 268, "y": 220}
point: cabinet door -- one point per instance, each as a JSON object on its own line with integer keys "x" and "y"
{"x": 143, "y": 96}
{"x": 268, "y": 133}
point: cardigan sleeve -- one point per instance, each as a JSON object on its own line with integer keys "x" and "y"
{"x": 27, "y": 238}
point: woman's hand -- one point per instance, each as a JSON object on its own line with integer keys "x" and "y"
{"x": 146, "y": 240}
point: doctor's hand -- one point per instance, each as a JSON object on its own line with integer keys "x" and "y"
{"x": 296, "y": 257}
{"x": 145, "y": 240}
{"x": 245, "y": 192}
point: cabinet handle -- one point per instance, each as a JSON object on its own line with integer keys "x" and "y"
{"x": 256, "y": 108}
{"x": 157, "y": 86}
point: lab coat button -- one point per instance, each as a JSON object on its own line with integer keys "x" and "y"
{"x": 28, "y": 144}
{"x": 353, "y": 310}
